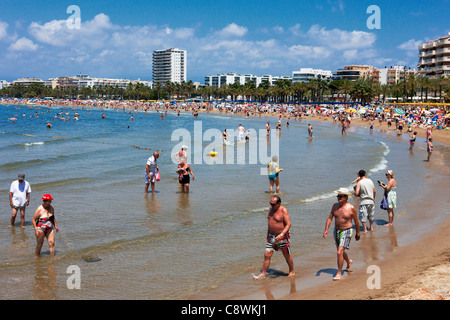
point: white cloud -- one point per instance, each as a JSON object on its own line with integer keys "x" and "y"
{"x": 410, "y": 45}
{"x": 91, "y": 33}
{"x": 233, "y": 30}
{"x": 101, "y": 48}
{"x": 3, "y": 29}
{"x": 310, "y": 52}
{"x": 341, "y": 39}
{"x": 23, "y": 44}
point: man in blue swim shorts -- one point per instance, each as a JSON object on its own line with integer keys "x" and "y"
{"x": 343, "y": 214}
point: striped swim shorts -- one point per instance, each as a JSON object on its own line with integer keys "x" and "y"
{"x": 283, "y": 244}
{"x": 342, "y": 237}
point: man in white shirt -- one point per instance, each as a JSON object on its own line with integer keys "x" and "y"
{"x": 19, "y": 198}
{"x": 151, "y": 168}
{"x": 365, "y": 190}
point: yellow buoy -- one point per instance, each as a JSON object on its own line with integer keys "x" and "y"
{"x": 213, "y": 153}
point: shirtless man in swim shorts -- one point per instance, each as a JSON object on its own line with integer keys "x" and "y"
{"x": 343, "y": 214}
{"x": 277, "y": 236}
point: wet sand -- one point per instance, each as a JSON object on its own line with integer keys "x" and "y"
{"x": 418, "y": 271}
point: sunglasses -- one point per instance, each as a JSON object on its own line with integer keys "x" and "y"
{"x": 273, "y": 204}
{"x": 340, "y": 196}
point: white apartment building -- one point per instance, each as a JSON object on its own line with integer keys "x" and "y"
{"x": 434, "y": 58}
{"x": 27, "y": 81}
{"x": 220, "y": 80}
{"x": 84, "y": 81}
{"x": 169, "y": 65}
{"x": 394, "y": 74}
{"x": 307, "y": 74}
{"x": 3, "y": 84}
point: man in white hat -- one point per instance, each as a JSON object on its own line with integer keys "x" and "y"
{"x": 19, "y": 198}
{"x": 343, "y": 214}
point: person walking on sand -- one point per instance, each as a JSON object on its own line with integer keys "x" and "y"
{"x": 365, "y": 190}
{"x": 19, "y": 198}
{"x": 343, "y": 214}
{"x": 279, "y": 224}
{"x": 151, "y": 169}
{"x": 390, "y": 191}
{"x": 45, "y": 225}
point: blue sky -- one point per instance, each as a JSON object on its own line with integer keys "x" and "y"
{"x": 116, "y": 38}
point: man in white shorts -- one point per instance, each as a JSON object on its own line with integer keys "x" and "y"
{"x": 151, "y": 168}
{"x": 19, "y": 198}
{"x": 365, "y": 190}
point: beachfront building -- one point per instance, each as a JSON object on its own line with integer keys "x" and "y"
{"x": 3, "y": 84}
{"x": 169, "y": 65}
{"x": 434, "y": 58}
{"x": 220, "y": 80}
{"x": 85, "y": 81}
{"x": 26, "y": 82}
{"x": 353, "y": 72}
{"x": 395, "y": 74}
{"x": 307, "y": 74}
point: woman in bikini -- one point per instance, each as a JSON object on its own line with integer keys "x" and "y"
{"x": 183, "y": 176}
{"x": 44, "y": 225}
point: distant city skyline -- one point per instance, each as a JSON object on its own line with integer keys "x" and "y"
{"x": 116, "y": 39}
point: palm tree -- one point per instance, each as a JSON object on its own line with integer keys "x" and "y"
{"x": 346, "y": 86}
{"x": 423, "y": 83}
{"x": 169, "y": 87}
{"x": 158, "y": 87}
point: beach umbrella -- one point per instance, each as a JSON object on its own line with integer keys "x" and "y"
{"x": 362, "y": 111}
{"x": 351, "y": 110}
{"x": 399, "y": 111}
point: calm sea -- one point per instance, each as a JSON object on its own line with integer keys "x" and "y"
{"x": 170, "y": 245}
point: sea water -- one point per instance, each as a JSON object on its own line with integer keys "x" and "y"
{"x": 169, "y": 245}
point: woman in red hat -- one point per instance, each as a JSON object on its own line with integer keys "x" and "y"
{"x": 44, "y": 225}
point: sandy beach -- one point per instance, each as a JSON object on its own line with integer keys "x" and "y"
{"x": 420, "y": 271}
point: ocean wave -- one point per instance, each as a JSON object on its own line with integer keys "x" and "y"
{"x": 383, "y": 162}
{"x": 33, "y": 144}
{"x": 34, "y": 162}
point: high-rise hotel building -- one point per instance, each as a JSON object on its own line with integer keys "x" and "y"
{"x": 434, "y": 57}
{"x": 169, "y": 65}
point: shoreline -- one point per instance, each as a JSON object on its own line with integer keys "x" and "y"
{"x": 417, "y": 271}
{"x": 420, "y": 265}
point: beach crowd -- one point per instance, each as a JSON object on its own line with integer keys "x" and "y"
{"x": 347, "y": 218}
